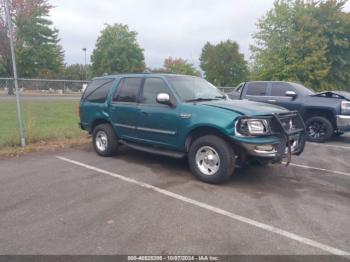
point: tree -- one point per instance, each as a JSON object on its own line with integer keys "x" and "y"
{"x": 5, "y": 53}
{"x": 3, "y": 72}
{"x": 336, "y": 27}
{"x": 77, "y": 72}
{"x": 304, "y": 41}
{"x": 179, "y": 66}
{"x": 117, "y": 51}
{"x": 223, "y": 64}
{"x": 37, "y": 46}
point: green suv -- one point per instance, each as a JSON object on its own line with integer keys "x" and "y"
{"x": 184, "y": 116}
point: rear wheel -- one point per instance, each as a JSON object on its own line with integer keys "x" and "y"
{"x": 318, "y": 129}
{"x": 104, "y": 140}
{"x": 211, "y": 159}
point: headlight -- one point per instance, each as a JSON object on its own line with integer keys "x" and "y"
{"x": 252, "y": 127}
{"x": 345, "y": 107}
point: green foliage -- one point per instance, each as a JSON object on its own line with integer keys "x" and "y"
{"x": 305, "y": 42}
{"x": 3, "y": 72}
{"x": 179, "y": 66}
{"x": 39, "y": 53}
{"x": 77, "y": 72}
{"x": 117, "y": 51}
{"x": 37, "y": 49}
{"x": 223, "y": 64}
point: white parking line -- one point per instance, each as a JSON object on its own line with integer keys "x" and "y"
{"x": 319, "y": 169}
{"x": 220, "y": 211}
{"x": 328, "y": 145}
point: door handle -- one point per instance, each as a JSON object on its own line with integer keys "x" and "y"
{"x": 272, "y": 100}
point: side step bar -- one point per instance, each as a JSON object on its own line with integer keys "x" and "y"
{"x": 153, "y": 150}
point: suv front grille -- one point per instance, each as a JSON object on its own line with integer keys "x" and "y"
{"x": 290, "y": 123}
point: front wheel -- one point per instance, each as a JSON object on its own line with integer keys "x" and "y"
{"x": 104, "y": 140}
{"x": 211, "y": 159}
{"x": 318, "y": 129}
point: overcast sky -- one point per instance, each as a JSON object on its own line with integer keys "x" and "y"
{"x": 177, "y": 28}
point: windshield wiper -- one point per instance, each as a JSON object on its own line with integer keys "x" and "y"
{"x": 222, "y": 97}
{"x": 199, "y": 99}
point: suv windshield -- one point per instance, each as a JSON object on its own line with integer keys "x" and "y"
{"x": 190, "y": 88}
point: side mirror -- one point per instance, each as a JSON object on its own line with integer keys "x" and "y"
{"x": 163, "y": 98}
{"x": 291, "y": 94}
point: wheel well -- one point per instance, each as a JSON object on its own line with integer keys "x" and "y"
{"x": 321, "y": 112}
{"x": 97, "y": 122}
{"x": 203, "y": 131}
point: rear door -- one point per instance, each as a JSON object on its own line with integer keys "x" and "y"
{"x": 124, "y": 108}
{"x": 157, "y": 123}
{"x": 256, "y": 91}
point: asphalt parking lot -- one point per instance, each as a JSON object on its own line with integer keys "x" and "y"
{"x": 74, "y": 202}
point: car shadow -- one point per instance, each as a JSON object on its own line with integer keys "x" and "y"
{"x": 341, "y": 139}
{"x": 171, "y": 167}
{"x": 253, "y": 180}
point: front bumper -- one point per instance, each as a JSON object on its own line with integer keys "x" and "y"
{"x": 343, "y": 123}
{"x": 287, "y": 139}
{"x": 278, "y": 149}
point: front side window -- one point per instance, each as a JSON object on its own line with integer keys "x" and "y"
{"x": 239, "y": 88}
{"x": 302, "y": 90}
{"x": 191, "y": 88}
{"x": 98, "y": 90}
{"x": 257, "y": 89}
{"x": 128, "y": 90}
{"x": 280, "y": 89}
{"x": 152, "y": 87}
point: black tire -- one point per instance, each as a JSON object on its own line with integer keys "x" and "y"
{"x": 222, "y": 151}
{"x": 111, "y": 146}
{"x": 318, "y": 129}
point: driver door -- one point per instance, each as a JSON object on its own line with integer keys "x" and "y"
{"x": 278, "y": 96}
{"x": 157, "y": 123}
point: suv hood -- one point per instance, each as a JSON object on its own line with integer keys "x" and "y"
{"x": 245, "y": 107}
{"x": 334, "y": 94}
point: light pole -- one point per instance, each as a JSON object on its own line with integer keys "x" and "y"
{"x": 15, "y": 77}
{"x": 84, "y": 49}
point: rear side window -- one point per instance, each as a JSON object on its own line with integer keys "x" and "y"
{"x": 98, "y": 90}
{"x": 128, "y": 90}
{"x": 257, "y": 89}
{"x": 280, "y": 89}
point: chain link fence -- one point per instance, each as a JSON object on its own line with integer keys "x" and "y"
{"x": 43, "y": 86}
{"x": 55, "y": 86}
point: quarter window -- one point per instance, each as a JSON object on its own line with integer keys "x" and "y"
{"x": 98, "y": 90}
{"x": 257, "y": 89}
{"x": 151, "y": 88}
{"x": 128, "y": 90}
{"x": 280, "y": 89}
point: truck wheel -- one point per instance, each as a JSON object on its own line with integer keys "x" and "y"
{"x": 211, "y": 159}
{"x": 104, "y": 140}
{"x": 318, "y": 129}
